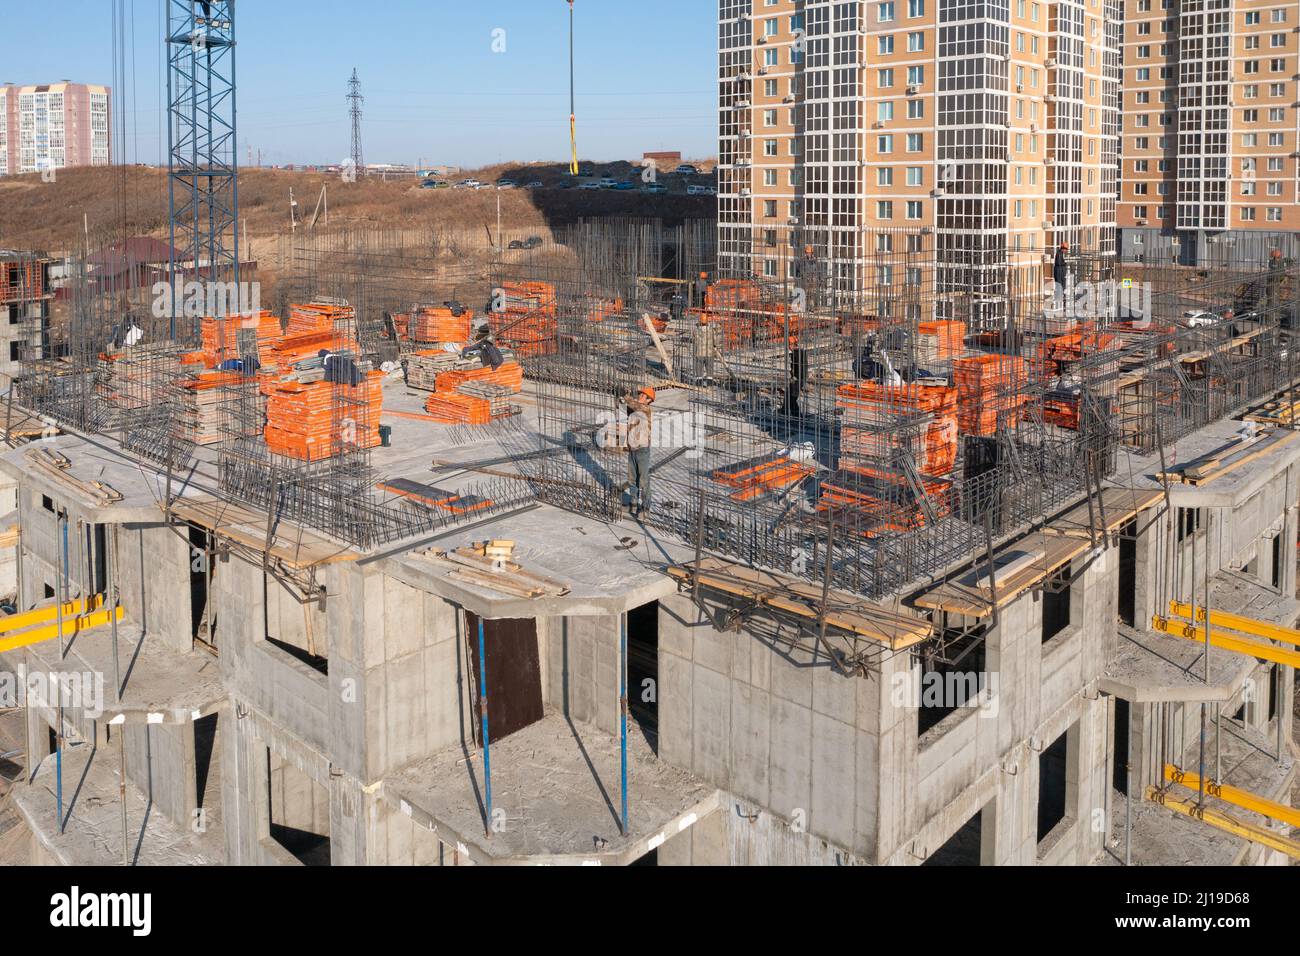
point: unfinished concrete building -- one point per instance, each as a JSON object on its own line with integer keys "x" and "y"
{"x": 385, "y": 606}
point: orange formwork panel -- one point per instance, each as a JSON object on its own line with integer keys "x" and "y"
{"x": 220, "y": 336}
{"x": 436, "y": 325}
{"x": 315, "y": 420}
{"x": 453, "y": 408}
{"x": 510, "y": 375}
{"x": 989, "y": 392}
{"x": 316, "y": 317}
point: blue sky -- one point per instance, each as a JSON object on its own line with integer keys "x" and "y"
{"x": 435, "y": 89}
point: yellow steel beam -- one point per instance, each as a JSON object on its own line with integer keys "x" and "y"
{"x": 1221, "y": 821}
{"x": 16, "y": 622}
{"x": 1229, "y": 642}
{"x": 1235, "y": 795}
{"x": 71, "y": 626}
{"x": 1236, "y": 622}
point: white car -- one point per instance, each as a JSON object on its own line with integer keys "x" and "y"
{"x": 590, "y": 186}
{"x": 607, "y": 183}
{"x": 1198, "y": 318}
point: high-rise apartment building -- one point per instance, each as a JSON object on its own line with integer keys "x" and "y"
{"x": 1210, "y": 124}
{"x": 980, "y": 132}
{"x": 54, "y": 126}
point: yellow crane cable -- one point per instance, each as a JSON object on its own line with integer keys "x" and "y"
{"x": 573, "y": 112}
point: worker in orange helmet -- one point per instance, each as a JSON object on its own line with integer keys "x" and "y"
{"x": 639, "y": 440}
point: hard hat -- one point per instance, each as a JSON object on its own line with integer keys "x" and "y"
{"x": 647, "y": 393}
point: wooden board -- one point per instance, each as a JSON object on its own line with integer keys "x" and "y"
{"x": 966, "y": 595}
{"x": 514, "y": 674}
{"x": 848, "y": 612}
{"x": 1218, "y": 463}
{"x": 1120, "y": 505}
{"x": 295, "y": 546}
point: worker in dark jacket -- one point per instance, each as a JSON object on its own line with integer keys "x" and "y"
{"x": 1060, "y": 271}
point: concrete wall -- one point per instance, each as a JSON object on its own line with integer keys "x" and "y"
{"x": 822, "y": 758}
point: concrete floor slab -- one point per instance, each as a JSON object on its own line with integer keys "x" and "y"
{"x": 558, "y": 786}
{"x": 157, "y": 680}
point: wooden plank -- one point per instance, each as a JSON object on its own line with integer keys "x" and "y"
{"x": 847, "y": 612}
{"x": 1119, "y": 504}
{"x": 297, "y": 547}
{"x": 967, "y": 596}
{"x": 1223, "y": 461}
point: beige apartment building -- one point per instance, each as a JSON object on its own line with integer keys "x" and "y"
{"x": 1210, "y": 121}
{"x": 970, "y": 133}
{"x": 48, "y": 127}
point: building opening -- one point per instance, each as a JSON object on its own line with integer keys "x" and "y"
{"x": 643, "y": 670}
{"x": 963, "y": 848}
{"x": 205, "y": 743}
{"x": 1119, "y": 774}
{"x": 1127, "y": 604}
{"x": 299, "y": 812}
{"x": 1056, "y": 604}
{"x": 203, "y": 625}
{"x": 952, "y": 683}
{"x": 1053, "y": 784}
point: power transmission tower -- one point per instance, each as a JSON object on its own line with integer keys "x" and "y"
{"x": 356, "y": 99}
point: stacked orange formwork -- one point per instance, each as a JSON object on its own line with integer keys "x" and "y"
{"x": 316, "y": 317}
{"x": 439, "y": 325}
{"x": 220, "y": 336}
{"x": 453, "y": 408}
{"x": 1058, "y": 352}
{"x": 201, "y": 398}
{"x": 874, "y": 501}
{"x": 525, "y": 318}
{"x": 601, "y": 309}
{"x": 990, "y": 392}
{"x": 296, "y": 348}
{"x": 510, "y": 375}
{"x": 301, "y": 419}
{"x": 867, "y": 440}
{"x": 940, "y": 341}
{"x": 753, "y": 479}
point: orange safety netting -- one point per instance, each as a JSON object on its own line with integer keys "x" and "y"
{"x": 316, "y": 420}
{"x": 989, "y": 392}
{"x": 22, "y": 280}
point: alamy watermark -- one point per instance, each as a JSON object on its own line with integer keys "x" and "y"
{"x": 71, "y": 690}
{"x": 203, "y": 299}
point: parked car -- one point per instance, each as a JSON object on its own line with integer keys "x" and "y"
{"x": 623, "y": 187}
{"x": 686, "y": 169}
{"x": 657, "y": 188}
{"x": 506, "y": 184}
{"x": 608, "y": 182}
{"x": 589, "y": 186}
{"x": 468, "y": 184}
{"x": 433, "y": 184}
{"x": 694, "y": 190}
{"x": 535, "y": 184}
{"x": 1199, "y": 318}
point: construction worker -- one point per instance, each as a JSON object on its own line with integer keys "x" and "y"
{"x": 1061, "y": 271}
{"x": 639, "y": 439}
{"x": 704, "y": 342}
{"x": 485, "y": 349}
